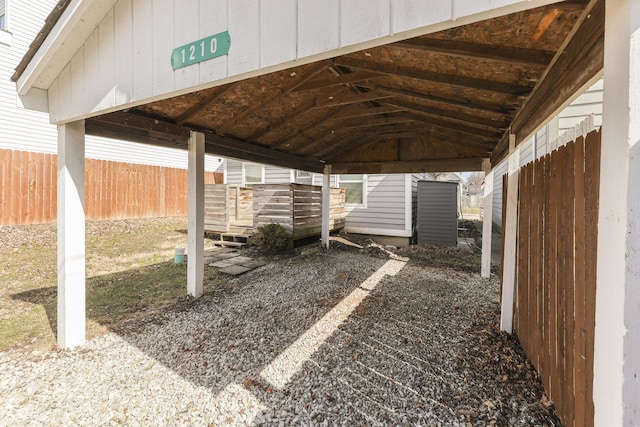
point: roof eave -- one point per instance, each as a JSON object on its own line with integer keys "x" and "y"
{"x": 64, "y": 32}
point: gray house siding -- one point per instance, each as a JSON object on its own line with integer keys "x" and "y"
{"x": 272, "y": 174}
{"x": 389, "y": 207}
{"x": 587, "y": 104}
{"x": 385, "y": 207}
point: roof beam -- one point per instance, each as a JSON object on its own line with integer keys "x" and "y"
{"x": 357, "y": 111}
{"x": 478, "y": 50}
{"x": 356, "y": 98}
{"x": 203, "y": 103}
{"x": 577, "y": 62}
{"x": 339, "y": 80}
{"x": 308, "y": 106}
{"x": 483, "y": 106}
{"x": 450, "y": 79}
{"x": 455, "y": 125}
{"x": 290, "y": 87}
{"x": 409, "y": 166}
{"x": 456, "y": 115}
{"x": 146, "y": 129}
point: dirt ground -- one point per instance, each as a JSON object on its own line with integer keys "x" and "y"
{"x": 447, "y": 317}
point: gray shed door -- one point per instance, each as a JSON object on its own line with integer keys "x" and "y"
{"x": 437, "y": 221}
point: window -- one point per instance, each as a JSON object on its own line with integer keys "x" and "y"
{"x": 252, "y": 174}
{"x": 3, "y": 15}
{"x": 355, "y": 189}
{"x": 304, "y": 177}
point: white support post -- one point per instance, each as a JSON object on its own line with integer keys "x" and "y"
{"x": 510, "y": 229}
{"x": 195, "y": 239}
{"x": 326, "y": 205}
{"x": 487, "y": 220}
{"x": 71, "y": 235}
{"x": 616, "y": 382}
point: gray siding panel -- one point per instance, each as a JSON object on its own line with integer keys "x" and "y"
{"x": 437, "y": 213}
{"x": 385, "y": 207}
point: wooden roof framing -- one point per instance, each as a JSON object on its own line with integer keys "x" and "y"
{"x": 439, "y": 102}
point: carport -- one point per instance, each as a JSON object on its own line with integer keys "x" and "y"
{"x": 351, "y": 87}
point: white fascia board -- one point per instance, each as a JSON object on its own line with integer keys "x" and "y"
{"x": 77, "y": 22}
{"x": 36, "y": 100}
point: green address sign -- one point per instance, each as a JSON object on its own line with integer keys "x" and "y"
{"x": 201, "y": 50}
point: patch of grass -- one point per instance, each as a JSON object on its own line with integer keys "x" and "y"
{"x": 30, "y": 328}
{"x": 130, "y": 276}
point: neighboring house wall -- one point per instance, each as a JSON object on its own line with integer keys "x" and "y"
{"x": 27, "y": 130}
{"x": 27, "y": 136}
{"x": 587, "y": 104}
{"x": 388, "y": 206}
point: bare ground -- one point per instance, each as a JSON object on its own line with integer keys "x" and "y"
{"x": 421, "y": 349}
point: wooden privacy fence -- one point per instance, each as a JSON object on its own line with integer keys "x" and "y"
{"x": 225, "y": 205}
{"x": 113, "y": 190}
{"x": 554, "y": 316}
{"x": 297, "y": 207}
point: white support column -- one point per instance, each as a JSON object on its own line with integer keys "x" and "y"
{"x": 195, "y": 239}
{"x": 510, "y": 229}
{"x": 326, "y": 205}
{"x": 71, "y": 235}
{"x": 616, "y": 388}
{"x": 487, "y": 220}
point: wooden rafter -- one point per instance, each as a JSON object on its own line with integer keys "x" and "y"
{"x": 293, "y": 140}
{"x": 577, "y": 62}
{"x": 290, "y": 87}
{"x": 469, "y": 118}
{"x": 287, "y": 118}
{"x": 445, "y": 128}
{"x": 361, "y": 112}
{"x": 372, "y": 123}
{"x": 339, "y": 80}
{"x": 348, "y": 144}
{"x": 450, "y": 79}
{"x": 356, "y": 98}
{"x": 462, "y": 49}
{"x": 457, "y": 125}
{"x": 202, "y": 104}
{"x": 316, "y": 147}
{"x": 472, "y": 104}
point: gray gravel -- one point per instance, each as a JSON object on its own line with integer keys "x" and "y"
{"x": 420, "y": 349}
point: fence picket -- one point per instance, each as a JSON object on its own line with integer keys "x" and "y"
{"x": 28, "y": 192}
{"x": 556, "y": 273}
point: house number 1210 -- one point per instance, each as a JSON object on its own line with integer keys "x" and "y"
{"x": 201, "y": 50}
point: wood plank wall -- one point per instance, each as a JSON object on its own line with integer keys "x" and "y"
{"x": 297, "y": 207}
{"x": 556, "y": 269}
{"x": 113, "y": 190}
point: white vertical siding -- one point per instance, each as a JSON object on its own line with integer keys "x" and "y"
{"x": 276, "y": 34}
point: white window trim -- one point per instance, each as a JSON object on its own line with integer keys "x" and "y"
{"x": 365, "y": 192}
{"x": 5, "y": 35}
{"x": 262, "y": 168}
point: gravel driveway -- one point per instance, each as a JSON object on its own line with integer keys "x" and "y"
{"x": 301, "y": 341}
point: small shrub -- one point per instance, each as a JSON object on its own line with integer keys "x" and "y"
{"x": 272, "y": 238}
